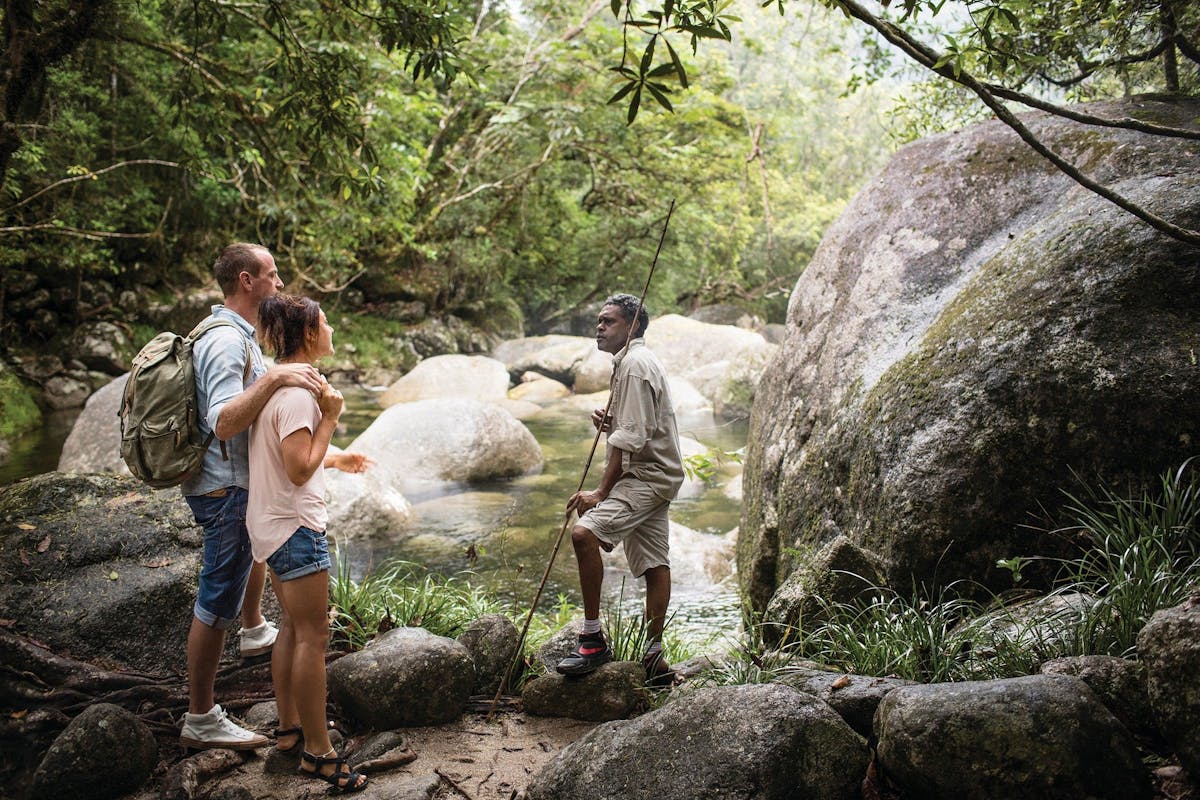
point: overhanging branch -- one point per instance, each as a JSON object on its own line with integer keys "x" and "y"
{"x": 927, "y": 58}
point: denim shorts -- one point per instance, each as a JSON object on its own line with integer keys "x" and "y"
{"x": 227, "y": 556}
{"x": 306, "y": 552}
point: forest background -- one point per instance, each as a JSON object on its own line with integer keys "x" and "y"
{"x": 462, "y": 156}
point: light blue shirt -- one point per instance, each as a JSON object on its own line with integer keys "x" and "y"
{"x": 219, "y": 359}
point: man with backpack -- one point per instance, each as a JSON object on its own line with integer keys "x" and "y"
{"x": 232, "y": 385}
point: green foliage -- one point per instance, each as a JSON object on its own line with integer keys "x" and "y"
{"x": 544, "y": 626}
{"x": 891, "y": 634}
{"x": 18, "y": 411}
{"x": 374, "y": 338}
{"x": 398, "y": 594}
{"x": 706, "y": 465}
{"x": 514, "y": 193}
{"x": 1141, "y": 555}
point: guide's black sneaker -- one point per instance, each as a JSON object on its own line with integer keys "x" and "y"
{"x": 589, "y": 655}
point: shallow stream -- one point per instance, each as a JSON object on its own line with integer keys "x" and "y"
{"x": 502, "y": 532}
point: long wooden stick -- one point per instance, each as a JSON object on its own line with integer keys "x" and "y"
{"x": 582, "y": 478}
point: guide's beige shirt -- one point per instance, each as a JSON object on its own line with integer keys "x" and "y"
{"x": 644, "y": 421}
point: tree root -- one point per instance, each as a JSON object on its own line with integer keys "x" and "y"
{"x": 40, "y": 692}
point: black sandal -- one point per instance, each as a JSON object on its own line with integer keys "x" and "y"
{"x": 344, "y": 782}
{"x": 289, "y": 732}
{"x": 659, "y": 674}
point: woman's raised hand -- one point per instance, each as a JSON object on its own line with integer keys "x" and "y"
{"x": 330, "y": 402}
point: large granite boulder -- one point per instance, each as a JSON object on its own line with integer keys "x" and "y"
{"x": 839, "y": 572}
{"x": 450, "y": 376}
{"x": 723, "y": 362}
{"x": 404, "y": 678}
{"x": 418, "y": 446}
{"x": 365, "y": 504}
{"x": 1169, "y": 646}
{"x": 973, "y": 332}
{"x": 757, "y": 742}
{"x": 94, "y": 443}
{"x": 1041, "y": 737}
{"x": 555, "y": 356}
{"x": 100, "y": 566}
{"x": 104, "y": 752}
{"x": 102, "y": 346}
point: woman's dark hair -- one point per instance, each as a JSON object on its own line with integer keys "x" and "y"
{"x": 287, "y": 322}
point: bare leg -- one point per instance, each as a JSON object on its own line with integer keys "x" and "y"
{"x": 204, "y": 647}
{"x": 252, "y": 615}
{"x": 658, "y": 596}
{"x": 282, "y": 656}
{"x": 591, "y": 569}
{"x": 305, "y": 602}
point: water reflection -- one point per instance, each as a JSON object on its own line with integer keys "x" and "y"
{"x": 504, "y": 531}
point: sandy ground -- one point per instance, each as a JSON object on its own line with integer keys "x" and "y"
{"x": 471, "y": 758}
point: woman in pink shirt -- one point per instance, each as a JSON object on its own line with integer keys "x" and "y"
{"x": 286, "y": 518}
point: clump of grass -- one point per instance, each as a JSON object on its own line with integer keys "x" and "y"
{"x": 399, "y": 594}
{"x": 543, "y": 626}
{"x": 1141, "y": 554}
{"x": 749, "y": 659}
{"x": 891, "y": 634}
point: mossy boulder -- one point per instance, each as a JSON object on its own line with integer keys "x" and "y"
{"x": 1039, "y": 737}
{"x": 101, "y": 567}
{"x": 973, "y": 333}
{"x": 18, "y": 411}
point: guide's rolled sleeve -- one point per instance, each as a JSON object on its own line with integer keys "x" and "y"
{"x": 635, "y": 415}
{"x": 220, "y": 362}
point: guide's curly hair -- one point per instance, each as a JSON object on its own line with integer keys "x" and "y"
{"x": 287, "y": 323}
{"x": 629, "y": 306}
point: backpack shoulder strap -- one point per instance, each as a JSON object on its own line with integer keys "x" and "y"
{"x": 208, "y": 324}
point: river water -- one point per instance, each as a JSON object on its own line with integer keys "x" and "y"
{"x": 500, "y": 534}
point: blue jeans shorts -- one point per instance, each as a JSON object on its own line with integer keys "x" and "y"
{"x": 227, "y": 556}
{"x": 306, "y": 552}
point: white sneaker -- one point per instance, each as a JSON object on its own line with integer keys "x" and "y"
{"x": 258, "y": 640}
{"x": 215, "y": 729}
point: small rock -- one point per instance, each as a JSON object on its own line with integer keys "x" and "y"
{"x": 611, "y": 692}
{"x": 492, "y": 642}
{"x": 105, "y": 752}
{"x": 405, "y": 677}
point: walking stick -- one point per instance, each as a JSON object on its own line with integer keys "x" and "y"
{"x": 582, "y": 478}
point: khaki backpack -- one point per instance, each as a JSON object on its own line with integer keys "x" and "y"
{"x": 160, "y": 424}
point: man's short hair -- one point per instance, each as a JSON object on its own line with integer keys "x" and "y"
{"x": 629, "y": 306}
{"x": 235, "y": 259}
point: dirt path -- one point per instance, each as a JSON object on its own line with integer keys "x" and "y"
{"x": 470, "y": 758}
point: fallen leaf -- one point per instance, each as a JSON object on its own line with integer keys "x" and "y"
{"x": 840, "y": 683}
{"x": 156, "y": 563}
{"x": 21, "y": 554}
{"x": 112, "y": 576}
{"x": 25, "y": 526}
{"x": 19, "y": 714}
{"x": 44, "y": 544}
{"x": 129, "y": 498}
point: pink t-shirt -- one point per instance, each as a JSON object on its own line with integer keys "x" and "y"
{"x": 277, "y": 507}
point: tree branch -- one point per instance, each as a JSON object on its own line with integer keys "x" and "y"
{"x": 928, "y": 59}
{"x": 90, "y": 175}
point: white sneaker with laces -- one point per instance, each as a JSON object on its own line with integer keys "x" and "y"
{"x": 215, "y": 729}
{"x": 258, "y": 640}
